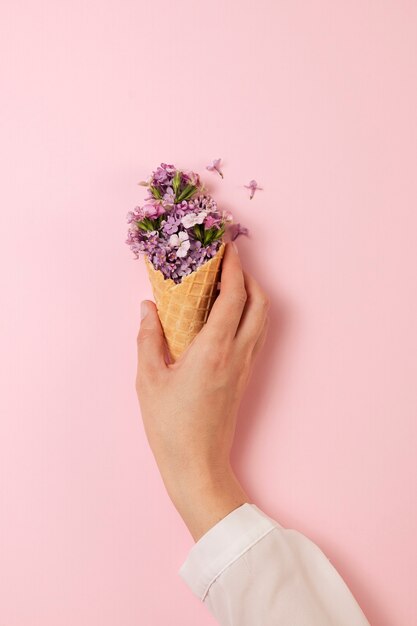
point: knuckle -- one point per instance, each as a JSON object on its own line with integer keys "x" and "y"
{"x": 261, "y": 301}
{"x": 264, "y": 302}
{"x": 215, "y": 355}
{"x": 245, "y": 364}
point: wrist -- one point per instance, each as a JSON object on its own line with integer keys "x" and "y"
{"x": 204, "y": 496}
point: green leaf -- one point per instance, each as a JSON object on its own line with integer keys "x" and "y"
{"x": 186, "y": 193}
{"x": 207, "y": 236}
{"x": 155, "y": 192}
{"x": 149, "y": 225}
{"x": 219, "y": 233}
{"x": 199, "y": 232}
{"x": 176, "y": 181}
{"x": 145, "y": 224}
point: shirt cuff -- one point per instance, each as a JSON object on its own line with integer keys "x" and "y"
{"x": 222, "y": 545}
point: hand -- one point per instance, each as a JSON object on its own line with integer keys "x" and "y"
{"x": 189, "y": 408}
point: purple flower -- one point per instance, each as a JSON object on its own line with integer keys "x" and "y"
{"x": 212, "y": 220}
{"x": 170, "y": 169}
{"x": 153, "y": 210}
{"x": 183, "y": 208}
{"x": 253, "y": 186}
{"x": 170, "y": 225}
{"x": 136, "y": 215}
{"x": 193, "y": 179}
{"x": 215, "y": 167}
{"x": 163, "y": 173}
{"x": 177, "y": 237}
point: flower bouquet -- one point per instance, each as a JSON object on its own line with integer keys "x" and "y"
{"x": 181, "y": 232}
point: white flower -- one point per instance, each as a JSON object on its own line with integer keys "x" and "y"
{"x": 181, "y": 242}
{"x": 194, "y": 218}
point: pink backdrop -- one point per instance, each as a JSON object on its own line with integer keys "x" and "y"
{"x": 317, "y": 101}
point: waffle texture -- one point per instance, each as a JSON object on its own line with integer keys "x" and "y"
{"x": 183, "y": 308}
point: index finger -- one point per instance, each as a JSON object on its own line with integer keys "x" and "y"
{"x": 227, "y": 310}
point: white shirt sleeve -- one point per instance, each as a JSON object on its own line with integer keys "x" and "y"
{"x": 250, "y": 571}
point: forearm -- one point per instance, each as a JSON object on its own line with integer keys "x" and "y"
{"x": 203, "y": 495}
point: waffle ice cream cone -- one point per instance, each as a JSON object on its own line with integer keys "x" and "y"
{"x": 184, "y": 307}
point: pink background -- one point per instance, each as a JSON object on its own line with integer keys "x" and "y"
{"x": 317, "y": 101}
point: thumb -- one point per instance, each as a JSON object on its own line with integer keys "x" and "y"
{"x": 151, "y": 340}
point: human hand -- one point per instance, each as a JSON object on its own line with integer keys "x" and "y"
{"x": 189, "y": 407}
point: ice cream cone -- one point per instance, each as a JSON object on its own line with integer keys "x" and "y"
{"x": 184, "y": 307}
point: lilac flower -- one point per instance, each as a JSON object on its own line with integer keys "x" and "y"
{"x": 170, "y": 169}
{"x": 191, "y": 219}
{"x": 162, "y": 173}
{"x": 193, "y": 179}
{"x": 169, "y": 197}
{"x": 253, "y": 186}
{"x": 153, "y": 210}
{"x": 179, "y": 227}
{"x": 183, "y": 208}
{"x": 159, "y": 257}
{"x": 136, "y": 215}
{"x": 170, "y": 225}
{"x": 205, "y": 203}
{"x": 215, "y": 167}
{"x": 212, "y": 220}
{"x": 171, "y": 185}
{"x": 227, "y": 216}
{"x": 181, "y": 242}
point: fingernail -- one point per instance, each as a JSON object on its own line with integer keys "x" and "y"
{"x": 143, "y": 309}
{"x": 235, "y": 247}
